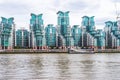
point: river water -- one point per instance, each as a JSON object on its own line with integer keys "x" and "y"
{"x": 60, "y": 66}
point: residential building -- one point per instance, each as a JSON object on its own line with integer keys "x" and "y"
{"x": 7, "y": 36}
{"x": 22, "y": 38}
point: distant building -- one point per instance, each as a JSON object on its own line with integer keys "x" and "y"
{"x": 60, "y": 36}
{"x": 65, "y": 38}
{"x": 100, "y": 39}
{"x": 22, "y": 38}
{"x": 108, "y": 36}
{"x": 76, "y": 34}
{"x": 112, "y": 35}
{"x": 37, "y": 32}
{"x": 91, "y": 38}
{"x": 7, "y": 36}
{"x": 88, "y": 32}
{"x": 50, "y": 33}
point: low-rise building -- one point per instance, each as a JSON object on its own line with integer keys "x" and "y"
{"x": 22, "y": 38}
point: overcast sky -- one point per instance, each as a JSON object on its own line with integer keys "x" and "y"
{"x": 103, "y": 10}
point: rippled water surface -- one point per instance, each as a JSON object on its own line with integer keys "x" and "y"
{"x": 59, "y": 66}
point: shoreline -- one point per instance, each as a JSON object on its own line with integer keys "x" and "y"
{"x": 52, "y": 51}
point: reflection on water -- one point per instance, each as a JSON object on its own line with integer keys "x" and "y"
{"x": 59, "y": 66}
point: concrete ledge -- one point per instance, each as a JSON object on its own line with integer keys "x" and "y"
{"x": 52, "y": 51}
{"x": 31, "y": 51}
{"x": 108, "y": 51}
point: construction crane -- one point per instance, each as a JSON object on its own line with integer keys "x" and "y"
{"x": 117, "y": 16}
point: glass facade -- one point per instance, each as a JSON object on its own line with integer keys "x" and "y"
{"x": 62, "y": 36}
{"x": 112, "y": 34}
{"x": 22, "y": 38}
{"x": 76, "y": 33}
{"x": 50, "y": 33}
{"x": 65, "y": 38}
{"x": 37, "y": 31}
{"x": 7, "y": 28}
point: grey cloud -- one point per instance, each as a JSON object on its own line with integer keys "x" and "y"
{"x": 77, "y": 5}
{"x": 101, "y": 21}
{"x": 118, "y": 1}
{"x": 81, "y": 6}
{"x": 56, "y": 3}
{"x": 14, "y": 8}
{"x": 74, "y": 6}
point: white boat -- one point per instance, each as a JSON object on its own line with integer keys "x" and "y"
{"x": 80, "y": 51}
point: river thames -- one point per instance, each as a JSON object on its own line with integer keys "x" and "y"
{"x": 60, "y": 66}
